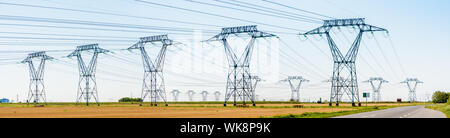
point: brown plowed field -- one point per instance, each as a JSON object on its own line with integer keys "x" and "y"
{"x": 151, "y": 112}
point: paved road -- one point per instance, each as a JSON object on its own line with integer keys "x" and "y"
{"x": 400, "y": 112}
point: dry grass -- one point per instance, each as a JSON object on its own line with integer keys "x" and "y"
{"x": 152, "y": 112}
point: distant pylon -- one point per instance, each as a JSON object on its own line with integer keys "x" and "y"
{"x": 344, "y": 65}
{"x": 153, "y": 82}
{"x": 255, "y": 81}
{"x": 239, "y": 83}
{"x": 295, "y": 87}
{"x": 412, "y": 85}
{"x": 175, "y": 94}
{"x": 191, "y": 94}
{"x": 36, "y": 87}
{"x": 376, "y": 86}
{"x": 217, "y": 95}
{"x": 87, "y": 86}
{"x": 204, "y": 95}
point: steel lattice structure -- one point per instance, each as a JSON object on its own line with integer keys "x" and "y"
{"x": 36, "y": 87}
{"x": 153, "y": 82}
{"x": 175, "y": 94}
{"x": 87, "y": 85}
{"x": 295, "y": 87}
{"x": 204, "y": 95}
{"x": 344, "y": 65}
{"x": 217, "y": 95}
{"x": 191, "y": 94}
{"x": 239, "y": 82}
{"x": 376, "y": 83}
{"x": 412, "y": 85}
{"x": 255, "y": 80}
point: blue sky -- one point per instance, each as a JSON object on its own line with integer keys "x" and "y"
{"x": 418, "y": 28}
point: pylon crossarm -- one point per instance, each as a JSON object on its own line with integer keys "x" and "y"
{"x": 318, "y": 31}
{"x": 371, "y": 28}
{"x": 250, "y": 30}
{"x": 355, "y": 22}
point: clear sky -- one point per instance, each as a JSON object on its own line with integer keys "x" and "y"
{"x": 419, "y": 30}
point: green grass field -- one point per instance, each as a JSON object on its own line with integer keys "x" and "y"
{"x": 445, "y": 108}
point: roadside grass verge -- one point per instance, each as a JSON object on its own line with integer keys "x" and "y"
{"x": 334, "y": 114}
{"x": 445, "y": 108}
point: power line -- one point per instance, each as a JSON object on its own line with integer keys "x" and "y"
{"x": 290, "y": 7}
{"x": 217, "y": 15}
{"x": 106, "y": 13}
{"x": 80, "y": 22}
{"x": 385, "y": 58}
{"x": 286, "y": 16}
{"x": 84, "y": 28}
{"x": 397, "y": 57}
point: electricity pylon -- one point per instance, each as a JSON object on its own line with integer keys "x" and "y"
{"x": 191, "y": 94}
{"x": 295, "y": 87}
{"x": 175, "y": 94}
{"x": 239, "y": 83}
{"x": 87, "y": 90}
{"x": 217, "y": 95}
{"x": 204, "y": 95}
{"x": 344, "y": 66}
{"x": 412, "y": 85}
{"x": 376, "y": 82}
{"x": 153, "y": 82}
{"x": 255, "y": 80}
{"x": 36, "y": 87}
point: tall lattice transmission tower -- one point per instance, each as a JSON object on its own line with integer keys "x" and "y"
{"x": 87, "y": 85}
{"x": 217, "y": 95}
{"x": 376, "y": 83}
{"x": 191, "y": 94}
{"x": 295, "y": 83}
{"x": 204, "y": 95}
{"x": 153, "y": 82}
{"x": 175, "y": 94}
{"x": 412, "y": 85}
{"x": 239, "y": 82}
{"x": 344, "y": 65}
{"x": 36, "y": 88}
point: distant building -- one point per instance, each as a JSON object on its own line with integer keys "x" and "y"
{"x": 4, "y": 100}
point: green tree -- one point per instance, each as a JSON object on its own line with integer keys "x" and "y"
{"x": 440, "y": 97}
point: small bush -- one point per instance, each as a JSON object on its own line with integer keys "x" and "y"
{"x": 440, "y": 97}
{"x": 128, "y": 99}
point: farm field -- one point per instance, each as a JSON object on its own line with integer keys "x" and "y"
{"x": 174, "y": 110}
